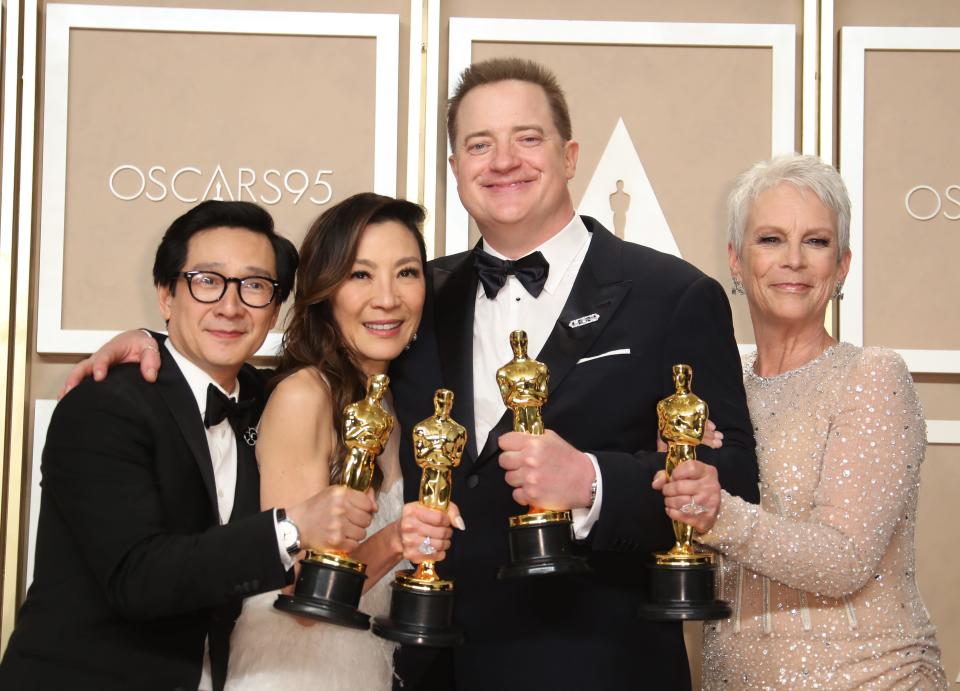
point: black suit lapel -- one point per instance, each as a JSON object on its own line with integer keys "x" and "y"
{"x": 594, "y": 299}
{"x": 596, "y": 294}
{"x": 180, "y": 400}
{"x": 455, "y": 293}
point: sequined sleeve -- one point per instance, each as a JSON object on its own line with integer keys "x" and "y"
{"x": 868, "y": 474}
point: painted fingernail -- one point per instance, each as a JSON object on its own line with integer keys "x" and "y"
{"x": 458, "y": 522}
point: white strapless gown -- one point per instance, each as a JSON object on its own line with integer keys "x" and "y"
{"x": 270, "y": 650}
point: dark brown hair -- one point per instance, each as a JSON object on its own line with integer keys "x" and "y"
{"x": 504, "y": 69}
{"x": 312, "y": 337}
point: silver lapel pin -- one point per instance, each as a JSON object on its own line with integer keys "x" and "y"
{"x": 581, "y": 321}
{"x": 250, "y": 436}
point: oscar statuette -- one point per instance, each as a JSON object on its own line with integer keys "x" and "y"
{"x": 330, "y": 582}
{"x": 539, "y": 541}
{"x": 421, "y": 604}
{"x": 681, "y": 580}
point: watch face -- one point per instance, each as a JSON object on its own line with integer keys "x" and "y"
{"x": 289, "y": 534}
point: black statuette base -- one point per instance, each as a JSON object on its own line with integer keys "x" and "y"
{"x": 328, "y": 593}
{"x": 682, "y": 593}
{"x": 541, "y": 550}
{"x": 419, "y": 618}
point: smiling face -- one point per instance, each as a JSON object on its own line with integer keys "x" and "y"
{"x": 219, "y": 337}
{"x": 512, "y": 166}
{"x": 788, "y": 262}
{"x": 377, "y": 308}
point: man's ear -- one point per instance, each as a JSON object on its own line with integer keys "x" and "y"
{"x": 165, "y": 300}
{"x": 571, "y": 152}
{"x": 453, "y": 167}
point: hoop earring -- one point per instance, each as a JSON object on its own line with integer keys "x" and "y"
{"x": 838, "y": 292}
{"x": 737, "y": 288}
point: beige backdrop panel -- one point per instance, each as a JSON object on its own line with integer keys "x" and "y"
{"x": 910, "y": 119}
{"x": 212, "y": 102}
{"x": 725, "y": 11}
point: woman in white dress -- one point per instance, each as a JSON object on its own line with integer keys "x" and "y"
{"x": 359, "y": 295}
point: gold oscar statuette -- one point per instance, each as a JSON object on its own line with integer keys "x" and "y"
{"x": 682, "y": 419}
{"x": 681, "y": 580}
{"x": 330, "y": 581}
{"x": 366, "y": 429}
{"x": 421, "y": 606}
{"x": 539, "y": 540}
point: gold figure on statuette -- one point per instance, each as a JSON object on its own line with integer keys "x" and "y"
{"x": 523, "y": 386}
{"x": 438, "y": 444}
{"x": 682, "y": 419}
{"x": 366, "y": 428}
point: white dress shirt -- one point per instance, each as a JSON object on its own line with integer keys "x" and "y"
{"x": 220, "y": 437}
{"x": 514, "y": 308}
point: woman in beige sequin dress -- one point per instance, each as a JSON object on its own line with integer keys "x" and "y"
{"x": 822, "y": 574}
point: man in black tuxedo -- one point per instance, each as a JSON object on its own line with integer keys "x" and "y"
{"x": 150, "y": 529}
{"x": 609, "y": 318}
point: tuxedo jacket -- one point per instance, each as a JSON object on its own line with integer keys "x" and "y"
{"x": 133, "y": 569}
{"x": 646, "y": 312}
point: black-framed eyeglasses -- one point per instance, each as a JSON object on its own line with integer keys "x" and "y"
{"x": 209, "y": 287}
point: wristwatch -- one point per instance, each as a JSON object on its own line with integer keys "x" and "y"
{"x": 288, "y": 533}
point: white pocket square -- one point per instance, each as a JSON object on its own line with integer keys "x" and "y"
{"x": 619, "y": 351}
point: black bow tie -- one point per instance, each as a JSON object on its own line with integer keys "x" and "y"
{"x": 531, "y": 271}
{"x": 220, "y": 408}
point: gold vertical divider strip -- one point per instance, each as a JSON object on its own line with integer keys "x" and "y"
{"x": 816, "y": 23}
{"x": 10, "y": 472}
{"x": 19, "y": 357}
{"x": 11, "y": 19}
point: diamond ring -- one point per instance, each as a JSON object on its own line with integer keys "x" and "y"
{"x": 426, "y": 548}
{"x": 693, "y": 508}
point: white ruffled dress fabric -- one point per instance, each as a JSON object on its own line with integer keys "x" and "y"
{"x": 270, "y": 651}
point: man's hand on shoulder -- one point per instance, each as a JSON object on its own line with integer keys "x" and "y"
{"x": 129, "y": 346}
{"x": 545, "y": 471}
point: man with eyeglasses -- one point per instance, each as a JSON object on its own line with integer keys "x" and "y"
{"x": 150, "y": 529}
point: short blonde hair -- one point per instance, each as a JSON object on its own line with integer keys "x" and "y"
{"x": 803, "y": 172}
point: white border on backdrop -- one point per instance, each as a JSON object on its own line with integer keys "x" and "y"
{"x": 61, "y": 19}
{"x": 780, "y": 38}
{"x": 854, "y": 44}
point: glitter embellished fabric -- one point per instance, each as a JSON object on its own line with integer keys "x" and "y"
{"x": 821, "y": 575}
